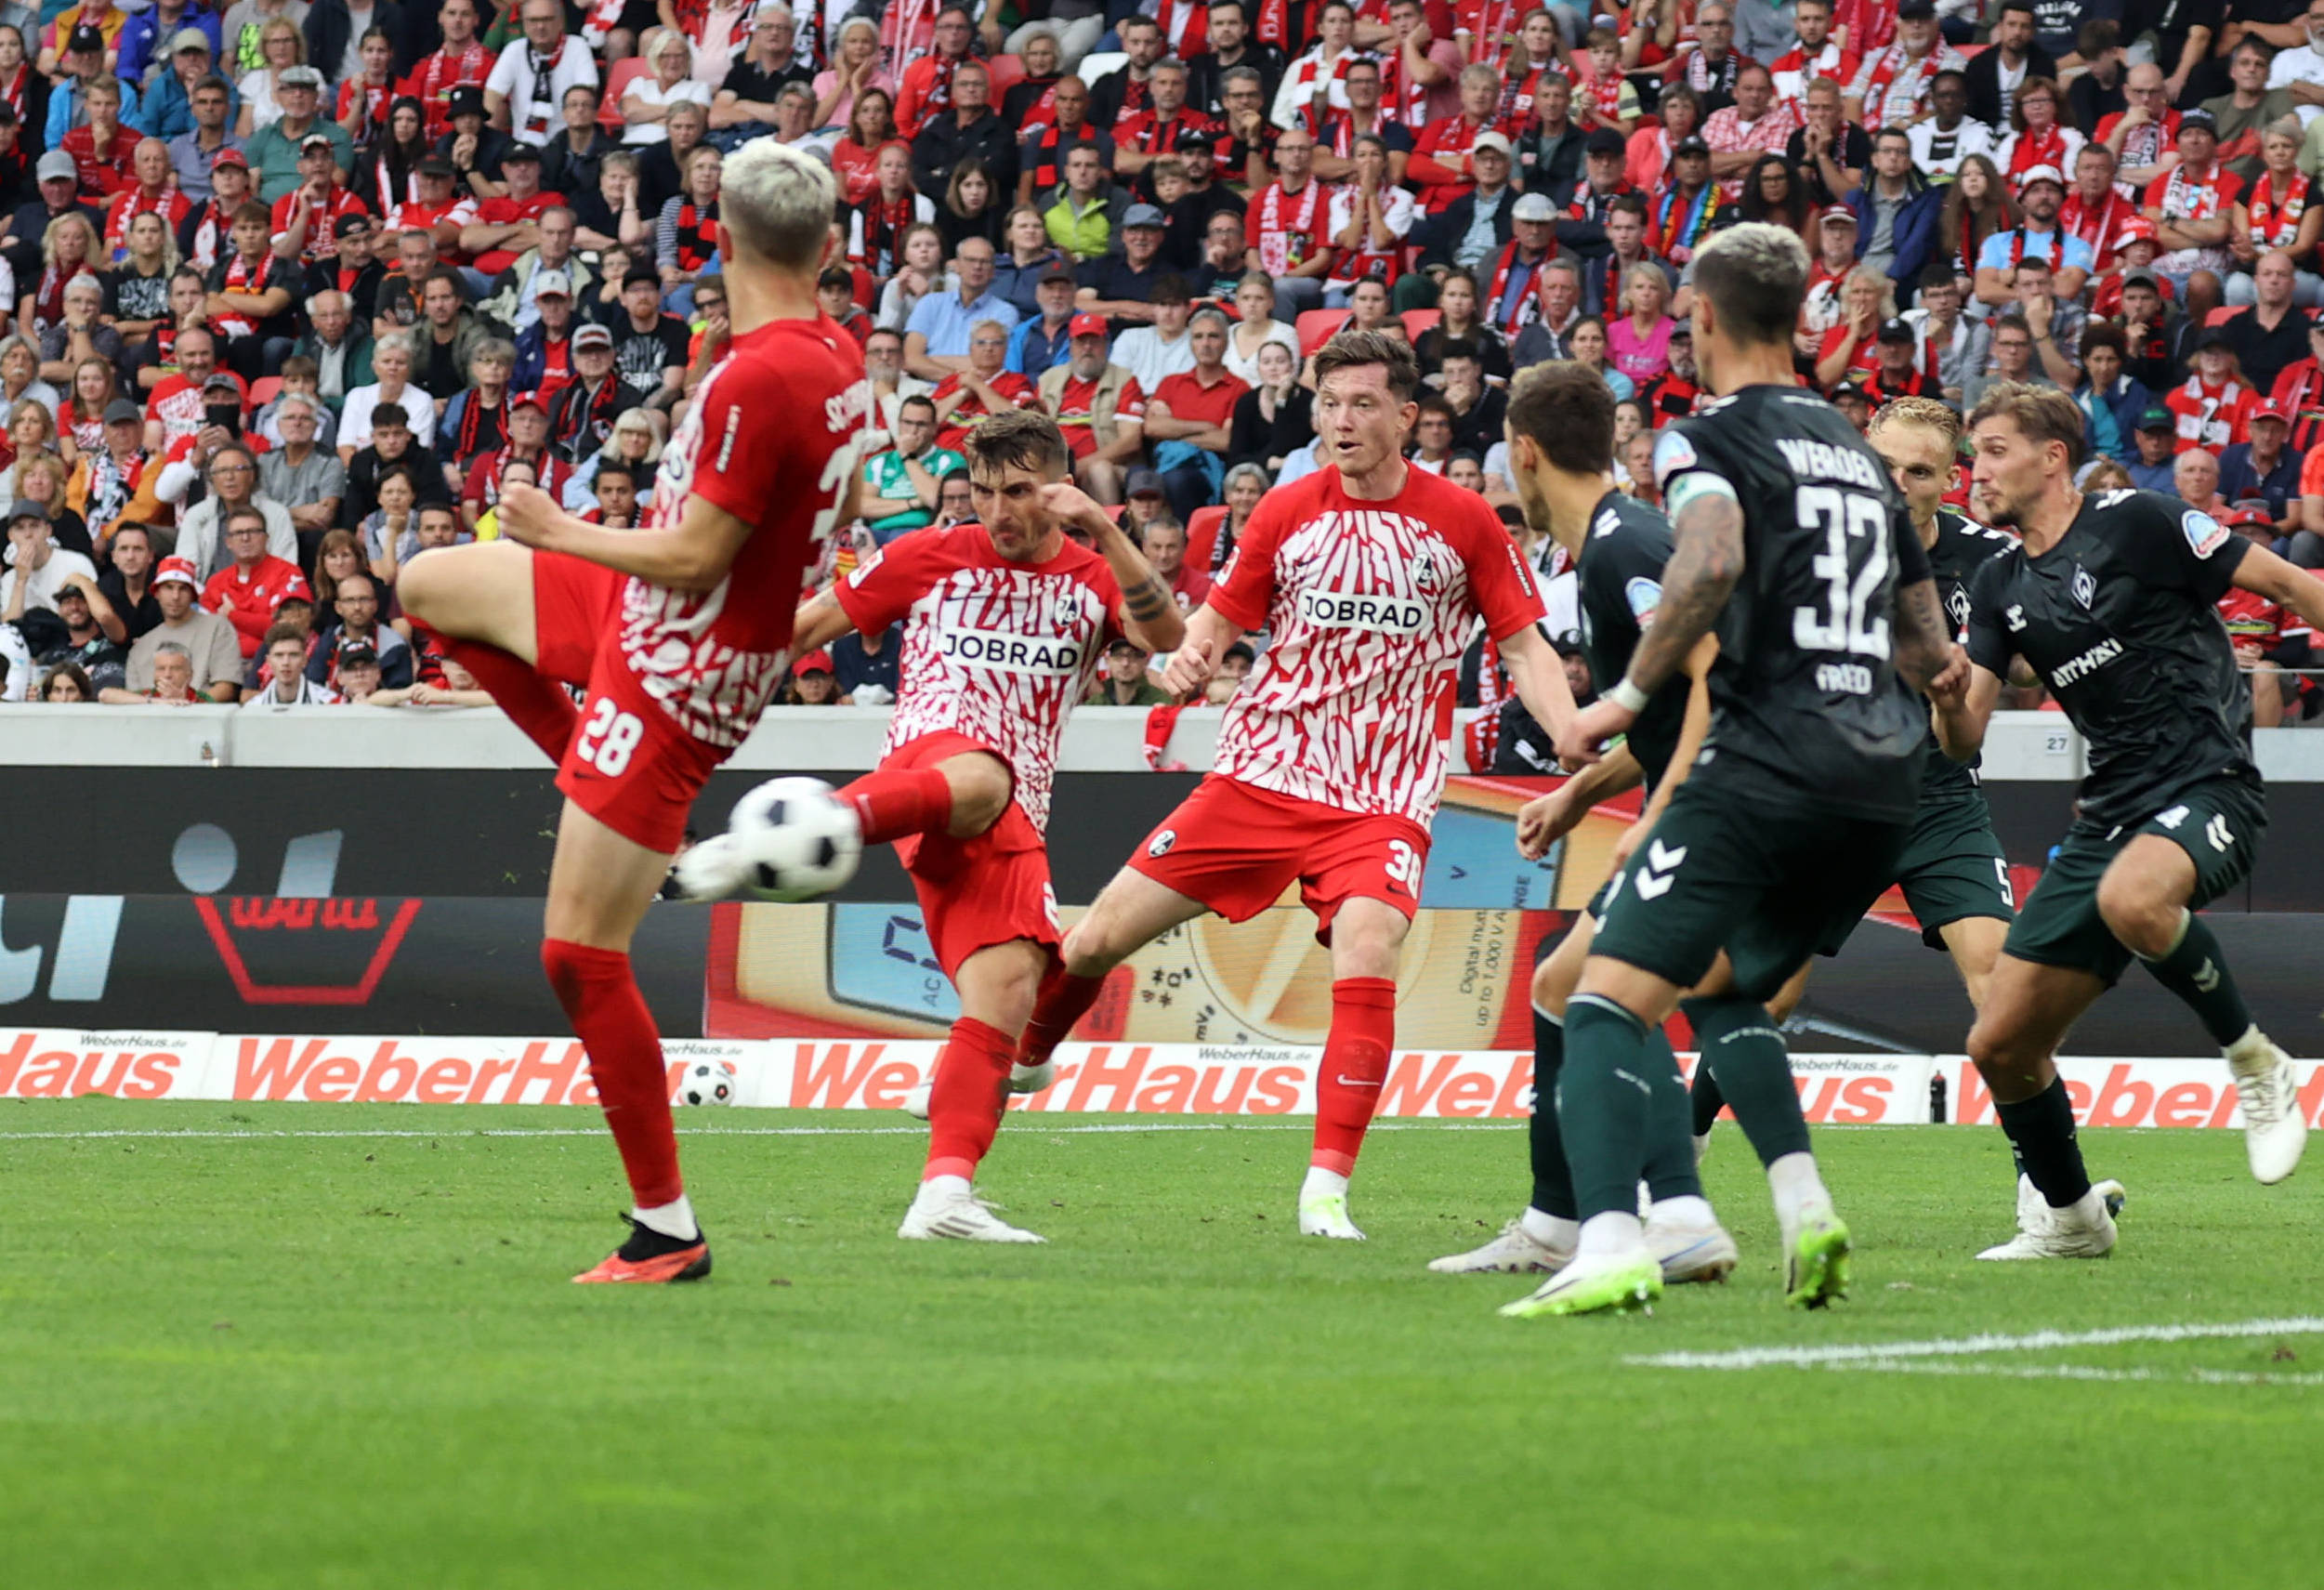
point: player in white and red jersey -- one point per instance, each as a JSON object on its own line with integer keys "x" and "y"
{"x": 681, "y": 632}
{"x": 1371, "y": 576}
{"x": 1004, "y": 621}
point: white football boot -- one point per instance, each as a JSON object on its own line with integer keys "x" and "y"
{"x": 1033, "y": 1078}
{"x": 946, "y": 1206}
{"x": 2082, "y": 1231}
{"x": 1690, "y": 1250}
{"x": 2275, "y": 1132}
{"x": 917, "y": 1101}
{"x": 1514, "y": 1252}
{"x": 710, "y": 870}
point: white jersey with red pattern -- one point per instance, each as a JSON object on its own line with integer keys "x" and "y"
{"x": 1368, "y": 605}
{"x": 774, "y": 436}
{"x": 997, "y": 651}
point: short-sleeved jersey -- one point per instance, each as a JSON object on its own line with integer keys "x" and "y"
{"x": 1808, "y": 711}
{"x": 773, "y": 438}
{"x": 1962, "y": 545}
{"x": 2120, "y": 620}
{"x": 1368, "y": 605}
{"x": 1621, "y": 578}
{"x": 993, "y": 650}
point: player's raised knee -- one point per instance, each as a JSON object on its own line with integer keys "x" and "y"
{"x": 981, "y": 787}
{"x": 2141, "y": 907}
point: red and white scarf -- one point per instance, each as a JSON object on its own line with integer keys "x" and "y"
{"x": 2276, "y": 225}
{"x": 1528, "y": 309}
{"x": 1287, "y": 236}
{"x": 208, "y": 233}
{"x": 2187, "y": 200}
{"x": 436, "y": 77}
{"x": 1272, "y": 25}
{"x": 2034, "y": 148}
{"x": 907, "y": 32}
{"x": 1312, "y": 80}
{"x": 1893, "y": 74}
{"x": 2099, "y": 227}
{"x": 1187, "y": 25}
{"x": 1493, "y": 24}
{"x": 244, "y": 277}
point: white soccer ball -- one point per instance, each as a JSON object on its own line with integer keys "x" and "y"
{"x": 708, "y": 1082}
{"x": 797, "y": 837}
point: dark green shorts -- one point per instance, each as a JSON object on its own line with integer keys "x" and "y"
{"x": 2218, "y": 824}
{"x": 1767, "y": 886}
{"x": 1952, "y": 869}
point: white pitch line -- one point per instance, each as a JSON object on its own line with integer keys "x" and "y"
{"x": 2076, "y": 1372}
{"x": 1036, "y": 1124}
{"x": 1879, "y": 1353}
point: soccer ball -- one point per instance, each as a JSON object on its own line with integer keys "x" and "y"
{"x": 707, "y": 1081}
{"x": 797, "y": 839}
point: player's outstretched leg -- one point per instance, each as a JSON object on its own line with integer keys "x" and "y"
{"x": 1744, "y": 1050}
{"x": 488, "y": 602}
{"x": 2143, "y": 897}
{"x": 1367, "y": 939}
{"x": 599, "y": 886}
{"x": 2027, "y": 1012}
{"x": 1131, "y": 911}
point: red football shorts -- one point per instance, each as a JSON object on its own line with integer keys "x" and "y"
{"x": 575, "y": 604}
{"x": 1236, "y": 847}
{"x": 981, "y": 891}
{"x": 632, "y": 767}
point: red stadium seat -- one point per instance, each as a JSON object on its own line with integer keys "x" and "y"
{"x": 1418, "y": 320}
{"x": 617, "y": 81}
{"x": 264, "y": 390}
{"x": 1969, "y": 52}
{"x": 1315, "y": 327}
{"x": 1202, "y": 535}
{"x": 1008, "y": 70}
{"x": 2221, "y": 316}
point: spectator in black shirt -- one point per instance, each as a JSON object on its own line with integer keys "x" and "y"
{"x": 744, "y": 105}
{"x": 660, "y": 166}
{"x": 970, "y": 130}
{"x": 2097, "y": 93}
{"x": 648, "y": 346}
{"x": 127, "y": 581}
{"x": 60, "y": 191}
{"x": 1231, "y": 46}
{"x": 2272, "y": 333}
{"x": 392, "y": 443}
{"x": 473, "y": 147}
{"x": 865, "y": 667}
{"x": 1042, "y": 74}
{"x": 16, "y": 166}
{"x": 2013, "y": 46}
{"x": 1122, "y": 285}
{"x": 570, "y": 162}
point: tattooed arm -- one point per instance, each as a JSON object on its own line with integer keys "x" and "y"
{"x": 1706, "y": 563}
{"x": 1147, "y": 600}
{"x": 1925, "y": 651}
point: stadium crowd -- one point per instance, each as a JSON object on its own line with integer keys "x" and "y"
{"x": 290, "y": 294}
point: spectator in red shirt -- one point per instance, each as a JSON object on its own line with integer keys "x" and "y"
{"x": 1440, "y": 165}
{"x": 104, "y": 153}
{"x": 1191, "y": 416}
{"x": 508, "y": 225}
{"x": 986, "y": 387}
{"x": 1166, "y": 547}
{"x": 246, "y": 591}
{"x": 151, "y": 193}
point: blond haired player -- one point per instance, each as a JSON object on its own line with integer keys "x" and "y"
{"x": 1005, "y": 621}
{"x": 1369, "y": 575}
{"x": 680, "y": 631}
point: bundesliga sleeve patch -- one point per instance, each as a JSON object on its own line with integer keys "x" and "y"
{"x": 2204, "y": 534}
{"x": 863, "y": 570}
{"x": 1644, "y": 597}
{"x": 1671, "y": 453}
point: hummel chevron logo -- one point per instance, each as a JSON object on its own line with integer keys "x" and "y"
{"x": 1654, "y": 879}
{"x": 2216, "y": 832}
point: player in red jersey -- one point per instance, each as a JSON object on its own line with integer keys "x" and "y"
{"x": 1004, "y": 624}
{"x": 680, "y": 631}
{"x": 1369, "y": 575}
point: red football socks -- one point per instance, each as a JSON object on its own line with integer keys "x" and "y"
{"x": 895, "y": 803}
{"x": 1064, "y": 999}
{"x": 1355, "y": 1063}
{"x": 967, "y": 1102}
{"x": 534, "y": 704}
{"x": 609, "y": 1017}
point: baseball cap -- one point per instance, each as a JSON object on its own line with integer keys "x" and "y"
{"x": 1566, "y": 643}
{"x": 552, "y": 284}
{"x": 2139, "y": 276}
{"x": 300, "y": 77}
{"x": 529, "y": 400}
{"x": 27, "y": 508}
{"x": 2040, "y": 173}
{"x": 435, "y": 165}
{"x": 1059, "y": 272}
{"x": 2211, "y": 336}
{"x": 349, "y": 224}
{"x": 523, "y": 153}
{"x": 2157, "y": 418}
{"x": 229, "y": 157}
{"x": 1142, "y": 482}
{"x": 815, "y": 661}
{"x": 467, "y": 99}
{"x": 86, "y": 40}
{"x": 314, "y": 141}
{"x": 1490, "y": 140}
{"x": 1916, "y": 10}
{"x": 593, "y": 336}
{"x": 1897, "y": 331}
{"x": 358, "y": 653}
{"x": 1691, "y": 145}
{"x": 2234, "y": 517}
{"x": 121, "y": 411}
{"x": 1849, "y": 389}
{"x": 223, "y": 381}
{"x": 1123, "y": 643}
{"x": 1142, "y": 215}
{"x": 1605, "y": 140}
{"x": 638, "y": 273}
{"x": 2138, "y": 229}
{"x": 1838, "y": 213}
{"x": 2197, "y": 119}
{"x": 188, "y": 39}
{"x": 1533, "y": 207}
{"x": 1682, "y": 328}
{"x": 57, "y": 167}
{"x": 1087, "y": 325}
{"x": 1194, "y": 137}
{"x": 2269, "y": 409}
{"x": 178, "y": 569}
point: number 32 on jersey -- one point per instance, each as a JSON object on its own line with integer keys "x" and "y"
{"x": 1853, "y": 566}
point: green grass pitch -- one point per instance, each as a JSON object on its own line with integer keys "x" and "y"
{"x": 353, "y": 1360}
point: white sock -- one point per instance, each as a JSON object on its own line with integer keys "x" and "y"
{"x": 938, "y": 1188}
{"x": 1551, "y": 1230}
{"x": 1616, "y": 1232}
{"x": 1692, "y": 1212}
{"x": 675, "y": 1219}
{"x": 1321, "y": 1183}
{"x": 1797, "y": 1186}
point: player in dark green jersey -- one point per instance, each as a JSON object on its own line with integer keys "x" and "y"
{"x": 2112, "y": 600}
{"x": 1790, "y": 539}
{"x": 1561, "y": 441}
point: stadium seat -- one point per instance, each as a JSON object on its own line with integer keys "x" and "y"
{"x": 617, "y": 83}
{"x": 1103, "y": 64}
{"x": 1970, "y": 52}
{"x": 1315, "y": 327}
{"x": 1008, "y": 70}
{"x": 1418, "y": 320}
{"x": 264, "y": 390}
{"x": 2221, "y": 315}
{"x": 1203, "y": 535}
